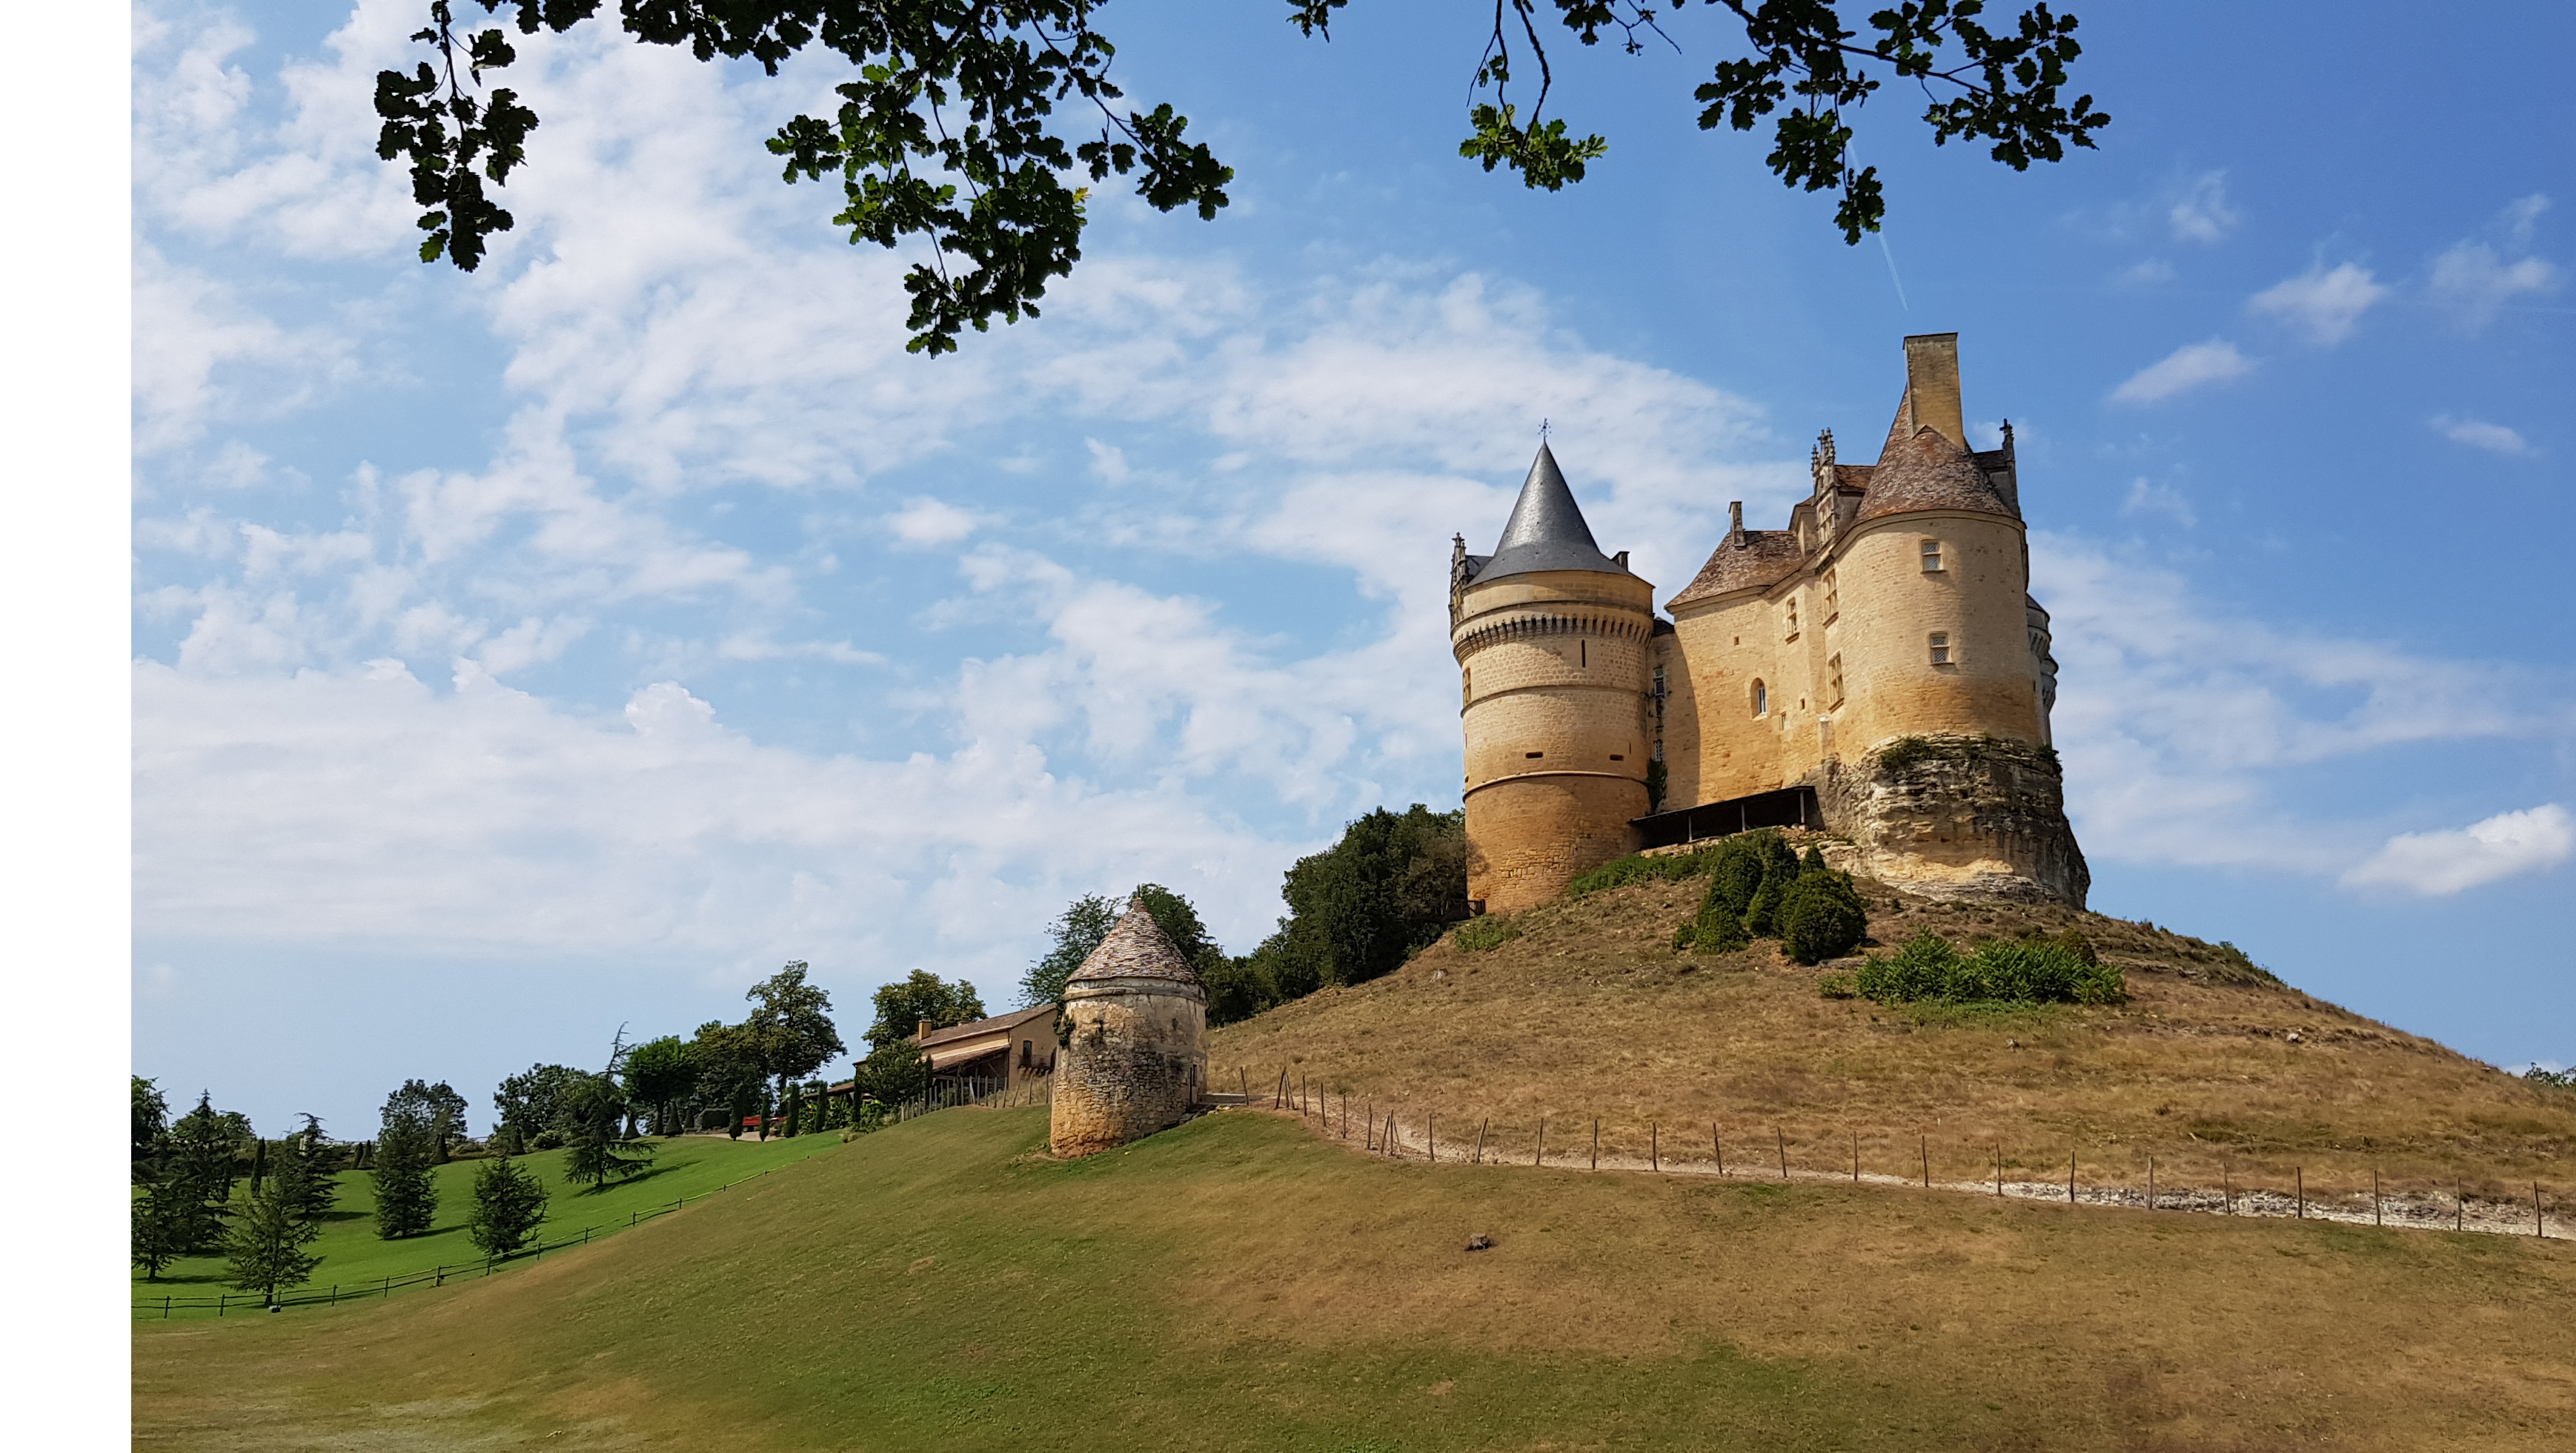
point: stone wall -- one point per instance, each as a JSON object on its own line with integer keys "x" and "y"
{"x": 1958, "y": 817}
{"x": 1135, "y": 1063}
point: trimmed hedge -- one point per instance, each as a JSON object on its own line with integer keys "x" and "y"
{"x": 1931, "y": 968}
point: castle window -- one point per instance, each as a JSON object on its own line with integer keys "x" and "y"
{"x": 1793, "y": 616}
{"x": 1533, "y": 756}
{"x": 1931, "y": 557}
{"x": 1615, "y": 757}
{"x": 1834, "y": 671}
{"x": 1833, "y": 598}
{"x": 1761, "y": 699}
{"x": 1940, "y": 648}
{"x": 1466, "y": 688}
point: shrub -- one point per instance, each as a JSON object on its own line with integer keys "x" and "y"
{"x": 1821, "y": 916}
{"x": 1904, "y": 752}
{"x": 1838, "y": 986}
{"x": 1641, "y": 868}
{"x": 2554, "y": 1079}
{"x": 1930, "y": 968}
{"x": 1478, "y": 935}
{"x": 2235, "y": 968}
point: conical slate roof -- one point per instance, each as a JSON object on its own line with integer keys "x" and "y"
{"x": 1546, "y": 531}
{"x": 1136, "y": 948}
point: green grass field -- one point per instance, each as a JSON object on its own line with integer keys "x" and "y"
{"x": 352, "y": 1254}
{"x": 1237, "y": 1283}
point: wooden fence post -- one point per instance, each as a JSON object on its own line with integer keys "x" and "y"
{"x": 2151, "y": 1183}
{"x": 2299, "y": 1178}
{"x": 1596, "y": 1142}
{"x": 2539, "y": 1226}
{"x": 1431, "y": 1137}
{"x": 1480, "y": 1142}
{"x": 1855, "y": 1157}
{"x": 2070, "y": 1175}
{"x": 1539, "y": 1155}
{"x": 1717, "y": 1147}
{"x": 1926, "y": 1148}
{"x": 2459, "y": 1207}
{"x": 1654, "y": 1147}
{"x": 2377, "y": 1217}
{"x": 1782, "y": 1136}
{"x": 1999, "y": 1170}
{"x": 2227, "y": 1183}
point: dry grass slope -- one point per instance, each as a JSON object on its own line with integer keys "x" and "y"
{"x": 2224, "y": 1079}
{"x": 1237, "y": 1284}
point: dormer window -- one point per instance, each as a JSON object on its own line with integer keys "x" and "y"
{"x": 1940, "y": 648}
{"x": 1931, "y": 557}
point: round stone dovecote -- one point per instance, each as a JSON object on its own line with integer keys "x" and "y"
{"x": 1136, "y": 1059}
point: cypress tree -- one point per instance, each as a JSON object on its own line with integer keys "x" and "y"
{"x": 303, "y": 1175}
{"x": 406, "y": 1197}
{"x": 509, "y": 1204}
{"x": 199, "y": 1174}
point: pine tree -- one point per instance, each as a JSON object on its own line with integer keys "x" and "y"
{"x": 406, "y": 1197}
{"x": 265, "y": 1249}
{"x": 163, "y": 1216}
{"x": 595, "y": 1151}
{"x": 509, "y": 1204}
{"x": 303, "y": 1175}
{"x": 199, "y": 1172}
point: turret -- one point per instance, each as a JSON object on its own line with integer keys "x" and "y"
{"x": 1136, "y": 1061}
{"x": 1551, "y": 638}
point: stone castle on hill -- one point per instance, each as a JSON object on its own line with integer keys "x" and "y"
{"x": 1877, "y": 670}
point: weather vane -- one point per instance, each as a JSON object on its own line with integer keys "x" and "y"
{"x": 1542, "y": 431}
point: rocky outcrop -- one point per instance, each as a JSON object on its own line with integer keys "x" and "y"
{"x": 1958, "y": 817}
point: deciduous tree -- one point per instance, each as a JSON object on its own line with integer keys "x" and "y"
{"x": 948, "y": 128}
{"x": 920, "y": 995}
{"x": 660, "y": 1072}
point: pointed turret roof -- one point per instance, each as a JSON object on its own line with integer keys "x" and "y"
{"x": 1136, "y": 948}
{"x": 1546, "y": 531}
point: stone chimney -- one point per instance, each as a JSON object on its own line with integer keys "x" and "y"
{"x": 1735, "y": 523}
{"x": 922, "y": 1033}
{"x": 1932, "y": 385}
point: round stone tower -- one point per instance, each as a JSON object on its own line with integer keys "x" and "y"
{"x": 1552, "y": 639}
{"x": 1136, "y": 1060}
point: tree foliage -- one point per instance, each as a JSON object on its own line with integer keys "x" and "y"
{"x": 1821, "y": 915}
{"x": 531, "y": 1102}
{"x": 791, "y": 1023}
{"x": 660, "y": 1073}
{"x": 265, "y": 1249}
{"x": 1930, "y": 967}
{"x": 1088, "y": 919}
{"x": 406, "y": 1147}
{"x": 902, "y": 1005}
{"x": 1391, "y": 885}
{"x": 896, "y": 1073}
{"x": 151, "y": 1122}
{"x": 949, "y": 130}
{"x": 596, "y": 1151}
{"x": 199, "y": 1164}
{"x": 509, "y": 1205}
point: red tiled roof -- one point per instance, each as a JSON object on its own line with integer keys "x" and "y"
{"x": 1755, "y": 558}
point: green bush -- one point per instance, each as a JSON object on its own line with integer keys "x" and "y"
{"x": 1641, "y": 868}
{"x": 1821, "y": 916}
{"x": 2236, "y": 968}
{"x": 1477, "y": 935}
{"x": 1838, "y": 986}
{"x": 2042, "y": 972}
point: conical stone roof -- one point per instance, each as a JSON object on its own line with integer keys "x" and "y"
{"x": 1546, "y": 530}
{"x": 1136, "y": 948}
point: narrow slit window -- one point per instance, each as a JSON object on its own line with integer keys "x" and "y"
{"x": 1931, "y": 557}
{"x": 1793, "y": 617}
{"x": 1834, "y": 668}
{"x": 1761, "y": 699}
{"x": 1533, "y": 756}
{"x": 1583, "y": 654}
{"x": 1833, "y": 597}
{"x": 1616, "y": 757}
{"x": 1940, "y": 648}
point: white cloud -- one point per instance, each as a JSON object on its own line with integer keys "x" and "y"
{"x": 2159, "y": 499}
{"x": 2154, "y": 272}
{"x": 2324, "y": 306}
{"x": 2180, "y": 724}
{"x": 2188, "y": 367}
{"x": 2437, "y": 864}
{"x": 924, "y": 521}
{"x": 2474, "y": 284}
{"x": 2201, "y": 213}
{"x": 2522, "y": 215}
{"x": 2479, "y": 434}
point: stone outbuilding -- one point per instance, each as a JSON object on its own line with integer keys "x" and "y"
{"x": 1135, "y": 1059}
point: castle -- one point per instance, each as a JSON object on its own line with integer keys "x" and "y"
{"x": 1877, "y": 670}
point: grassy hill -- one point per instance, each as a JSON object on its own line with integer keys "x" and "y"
{"x": 352, "y": 1254}
{"x": 1240, "y": 1283}
{"x": 2221, "y": 1074}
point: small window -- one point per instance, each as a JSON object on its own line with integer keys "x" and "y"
{"x": 1834, "y": 671}
{"x": 1833, "y": 597}
{"x": 1793, "y": 616}
{"x": 1467, "y": 687}
{"x": 1533, "y": 756}
{"x": 1940, "y": 648}
{"x": 1761, "y": 699}
{"x": 1615, "y": 757}
{"x": 1931, "y": 557}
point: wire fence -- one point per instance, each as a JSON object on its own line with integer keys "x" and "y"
{"x": 2246, "y": 1187}
{"x": 945, "y": 1093}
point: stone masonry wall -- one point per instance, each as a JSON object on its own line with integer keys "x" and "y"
{"x": 1135, "y": 1063}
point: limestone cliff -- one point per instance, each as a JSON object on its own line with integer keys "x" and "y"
{"x": 1958, "y": 817}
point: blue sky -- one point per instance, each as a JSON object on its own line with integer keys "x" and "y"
{"x": 521, "y": 655}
